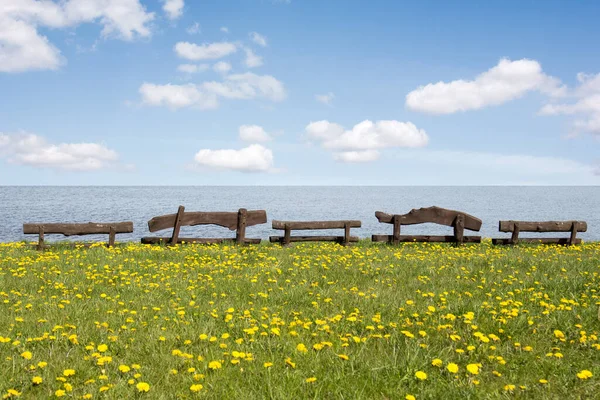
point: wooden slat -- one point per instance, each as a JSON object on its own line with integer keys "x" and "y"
{"x": 157, "y": 240}
{"x": 224, "y": 219}
{"x": 306, "y": 225}
{"x": 177, "y": 225}
{"x": 240, "y": 234}
{"x": 504, "y": 241}
{"x": 459, "y": 228}
{"x": 111, "y": 237}
{"x": 340, "y": 239}
{"x": 544, "y": 226}
{"x": 425, "y": 238}
{"x": 434, "y": 214}
{"x": 71, "y": 229}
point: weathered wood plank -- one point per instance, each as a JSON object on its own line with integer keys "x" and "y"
{"x": 177, "y": 225}
{"x": 224, "y": 219}
{"x": 157, "y": 240}
{"x": 545, "y": 226}
{"x": 434, "y": 214}
{"x": 340, "y": 239}
{"x": 240, "y": 234}
{"x": 425, "y": 238}
{"x": 507, "y": 241}
{"x": 72, "y": 229}
{"x": 306, "y": 225}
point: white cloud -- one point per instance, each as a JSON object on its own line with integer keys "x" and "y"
{"x": 254, "y": 158}
{"x": 173, "y": 8}
{"x": 325, "y": 98}
{"x": 192, "y": 68}
{"x": 22, "y": 47}
{"x": 222, "y": 67}
{"x": 205, "y": 95}
{"x": 356, "y": 156}
{"x": 506, "y": 81}
{"x": 258, "y": 39}
{"x": 224, "y": 29}
{"x": 586, "y": 106}
{"x": 252, "y": 60}
{"x": 253, "y": 133}
{"x": 194, "y": 29}
{"x": 205, "y": 51}
{"x": 367, "y": 135}
{"x": 247, "y": 86}
{"x": 34, "y": 150}
{"x": 177, "y": 96}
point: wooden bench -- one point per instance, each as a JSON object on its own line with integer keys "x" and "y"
{"x": 237, "y": 221}
{"x": 289, "y": 226}
{"x": 517, "y": 227}
{"x": 456, "y": 219}
{"x": 76, "y": 229}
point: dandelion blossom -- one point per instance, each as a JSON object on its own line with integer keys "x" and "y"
{"x": 420, "y": 375}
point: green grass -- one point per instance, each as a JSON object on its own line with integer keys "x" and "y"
{"x": 390, "y": 310}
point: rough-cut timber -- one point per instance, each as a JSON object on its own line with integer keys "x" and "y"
{"x": 289, "y": 226}
{"x": 237, "y": 221}
{"x": 74, "y": 229}
{"x": 224, "y": 219}
{"x": 157, "y": 240}
{"x": 546, "y": 226}
{"x": 311, "y": 225}
{"x": 433, "y": 214}
{"x": 425, "y": 238}
{"x": 339, "y": 239}
{"x": 516, "y": 227}
{"x": 456, "y": 219}
{"x": 537, "y": 240}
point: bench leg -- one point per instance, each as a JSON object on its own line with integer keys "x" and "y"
{"x": 396, "y": 232}
{"x": 459, "y": 229}
{"x": 111, "y": 237}
{"x": 177, "y": 226}
{"x": 40, "y": 245}
{"x": 240, "y": 235}
{"x": 287, "y": 235}
{"x": 573, "y": 234}
{"x": 514, "y": 238}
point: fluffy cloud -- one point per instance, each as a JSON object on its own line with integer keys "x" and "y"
{"x": 23, "y": 48}
{"x": 506, "y": 81}
{"x": 325, "y": 98}
{"x": 177, "y": 96}
{"x": 356, "y": 156}
{"x": 247, "y": 86}
{"x": 207, "y": 51}
{"x": 173, "y": 8}
{"x": 222, "y": 67}
{"x": 192, "y": 68}
{"x": 586, "y": 105}
{"x": 34, "y": 150}
{"x": 367, "y": 135}
{"x": 205, "y": 95}
{"x": 252, "y": 60}
{"x": 258, "y": 39}
{"x": 254, "y": 158}
{"x": 253, "y": 133}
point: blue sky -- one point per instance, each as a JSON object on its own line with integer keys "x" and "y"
{"x": 265, "y": 92}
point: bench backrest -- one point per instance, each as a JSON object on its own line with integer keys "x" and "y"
{"x": 77, "y": 229}
{"x": 237, "y": 220}
{"x": 289, "y": 226}
{"x": 457, "y": 219}
{"x": 545, "y": 226}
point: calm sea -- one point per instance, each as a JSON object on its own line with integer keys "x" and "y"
{"x": 139, "y": 204}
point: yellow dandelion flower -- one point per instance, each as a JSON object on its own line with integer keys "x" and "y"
{"x": 310, "y": 380}
{"x": 69, "y": 372}
{"x": 420, "y": 375}
{"x": 268, "y": 364}
{"x": 410, "y": 397}
{"x": 473, "y": 369}
{"x": 214, "y": 365}
{"x": 452, "y": 367}
{"x": 124, "y": 368}
{"x": 26, "y": 355}
{"x": 36, "y": 380}
{"x": 60, "y": 393}
{"x": 584, "y": 374}
{"x": 142, "y": 387}
{"x": 196, "y": 388}
{"x": 437, "y": 362}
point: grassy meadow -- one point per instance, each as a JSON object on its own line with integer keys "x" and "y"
{"x": 371, "y": 321}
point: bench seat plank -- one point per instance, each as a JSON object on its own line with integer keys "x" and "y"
{"x": 425, "y": 238}
{"x": 73, "y": 229}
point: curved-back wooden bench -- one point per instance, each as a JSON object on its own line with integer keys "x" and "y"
{"x": 77, "y": 229}
{"x": 289, "y": 226}
{"x": 237, "y": 221}
{"x": 516, "y": 227}
{"x": 457, "y": 219}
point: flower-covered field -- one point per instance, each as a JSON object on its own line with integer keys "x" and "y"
{"x": 309, "y": 321}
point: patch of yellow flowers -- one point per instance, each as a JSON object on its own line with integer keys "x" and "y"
{"x": 313, "y": 320}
